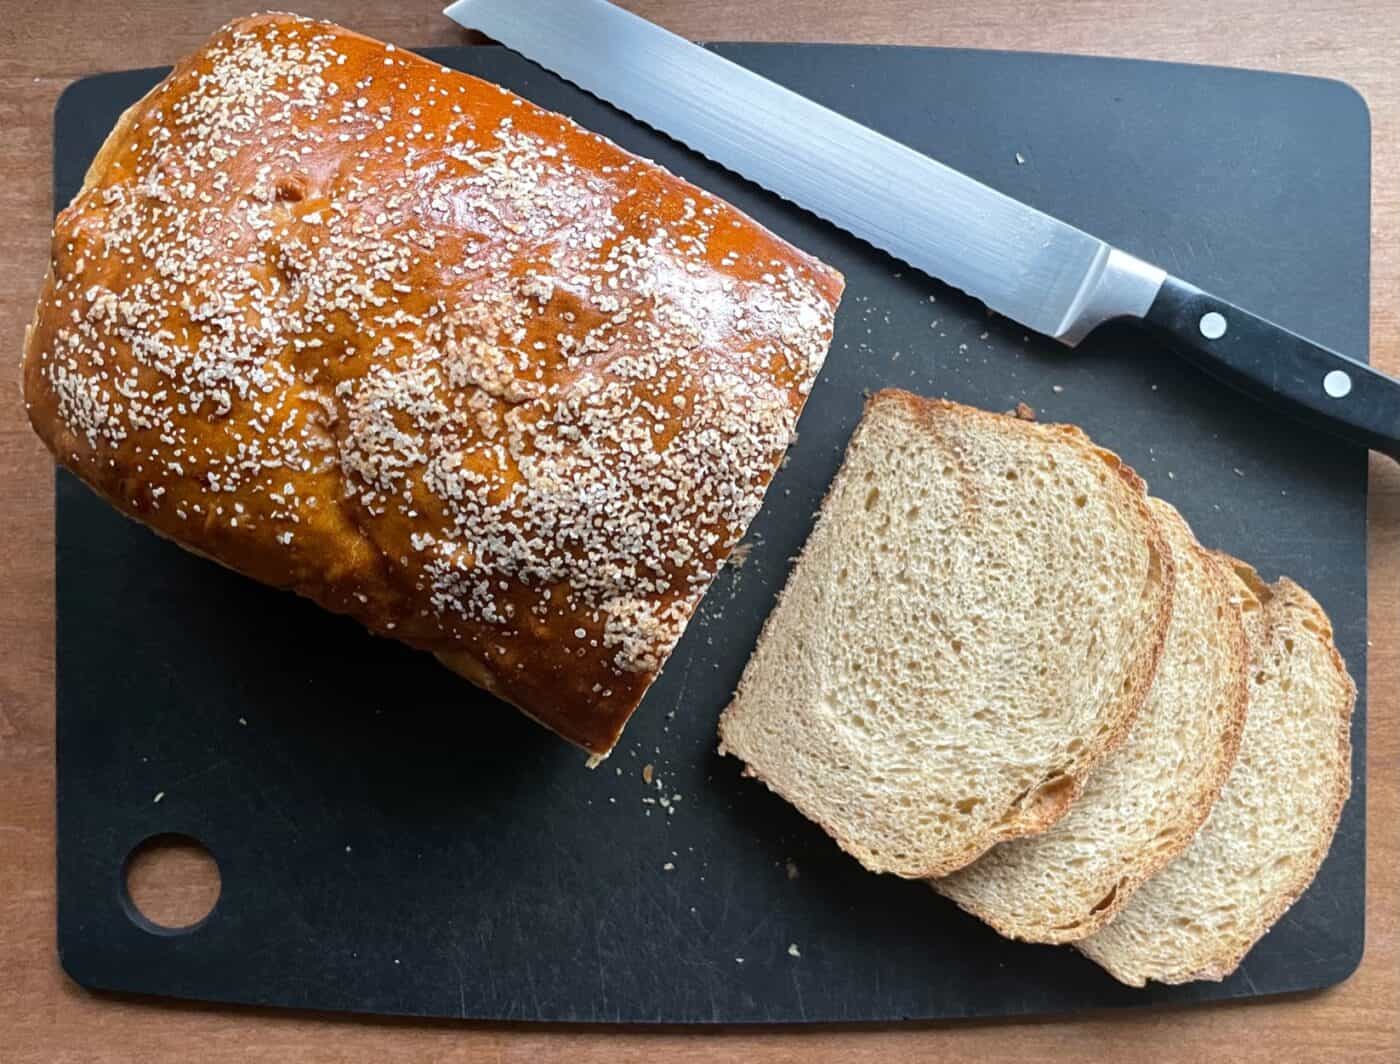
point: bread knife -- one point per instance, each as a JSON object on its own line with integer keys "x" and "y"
{"x": 1022, "y": 263}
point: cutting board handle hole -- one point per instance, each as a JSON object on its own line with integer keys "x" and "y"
{"x": 170, "y": 884}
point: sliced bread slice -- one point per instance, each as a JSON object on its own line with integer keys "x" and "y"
{"x": 1146, "y": 800}
{"x": 1273, "y": 823}
{"x": 972, "y": 625}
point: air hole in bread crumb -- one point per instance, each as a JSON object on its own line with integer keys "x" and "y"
{"x": 871, "y": 498}
{"x": 1081, "y": 501}
{"x": 1056, "y": 790}
{"x": 1107, "y": 900}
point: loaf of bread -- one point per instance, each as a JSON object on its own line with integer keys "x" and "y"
{"x": 971, "y": 628}
{"x": 365, "y": 328}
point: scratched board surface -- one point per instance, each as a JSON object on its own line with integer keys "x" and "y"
{"x": 392, "y": 840}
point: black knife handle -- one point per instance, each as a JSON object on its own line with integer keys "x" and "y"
{"x": 1309, "y": 381}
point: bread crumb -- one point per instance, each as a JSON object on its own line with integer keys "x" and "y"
{"x": 669, "y": 866}
{"x": 1239, "y": 472}
{"x": 158, "y": 797}
{"x": 243, "y": 721}
{"x": 1057, "y": 388}
{"x": 1020, "y": 159}
{"x": 647, "y": 772}
{"x": 1024, "y": 411}
{"x": 792, "y": 872}
{"x": 740, "y": 554}
{"x": 793, "y": 951}
{"x": 738, "y": 960}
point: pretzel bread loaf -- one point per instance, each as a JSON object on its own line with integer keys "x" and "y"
{"x": 366, "y": 328}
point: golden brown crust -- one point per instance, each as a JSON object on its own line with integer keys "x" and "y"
{"x": 391, "y": 337}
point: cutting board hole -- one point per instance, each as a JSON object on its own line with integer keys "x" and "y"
{"x": 172, "y": 884}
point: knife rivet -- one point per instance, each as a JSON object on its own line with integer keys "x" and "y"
{"x": 1337, "y": 383}
{"x": 1213, "y": 325}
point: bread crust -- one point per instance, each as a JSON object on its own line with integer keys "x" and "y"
{"x": 391, "y": 337}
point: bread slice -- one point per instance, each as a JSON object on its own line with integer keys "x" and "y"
{"x": 1272, "y": 826}
{"x": 972, "y": 625}
{"x": 1146, "y": 800}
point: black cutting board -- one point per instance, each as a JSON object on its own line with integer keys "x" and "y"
{"x": 393, "y": 841}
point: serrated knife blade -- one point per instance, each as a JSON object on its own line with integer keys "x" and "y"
{"x": 1044, "y": 273}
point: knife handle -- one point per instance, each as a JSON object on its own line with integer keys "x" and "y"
{"x": 1281, "y": 368}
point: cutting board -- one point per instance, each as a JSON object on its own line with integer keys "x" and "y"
{"x": 392, "y": 840}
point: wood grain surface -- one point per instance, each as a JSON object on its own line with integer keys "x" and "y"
{"x": 45, "y": 44}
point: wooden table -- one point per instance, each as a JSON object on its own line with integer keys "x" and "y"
{"x": 44, "y": 1017}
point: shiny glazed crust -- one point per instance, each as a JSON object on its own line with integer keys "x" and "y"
{"x": 391, "y": 337}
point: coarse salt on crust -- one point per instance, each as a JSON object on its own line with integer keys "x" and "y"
{"x": 391, "y": 337}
